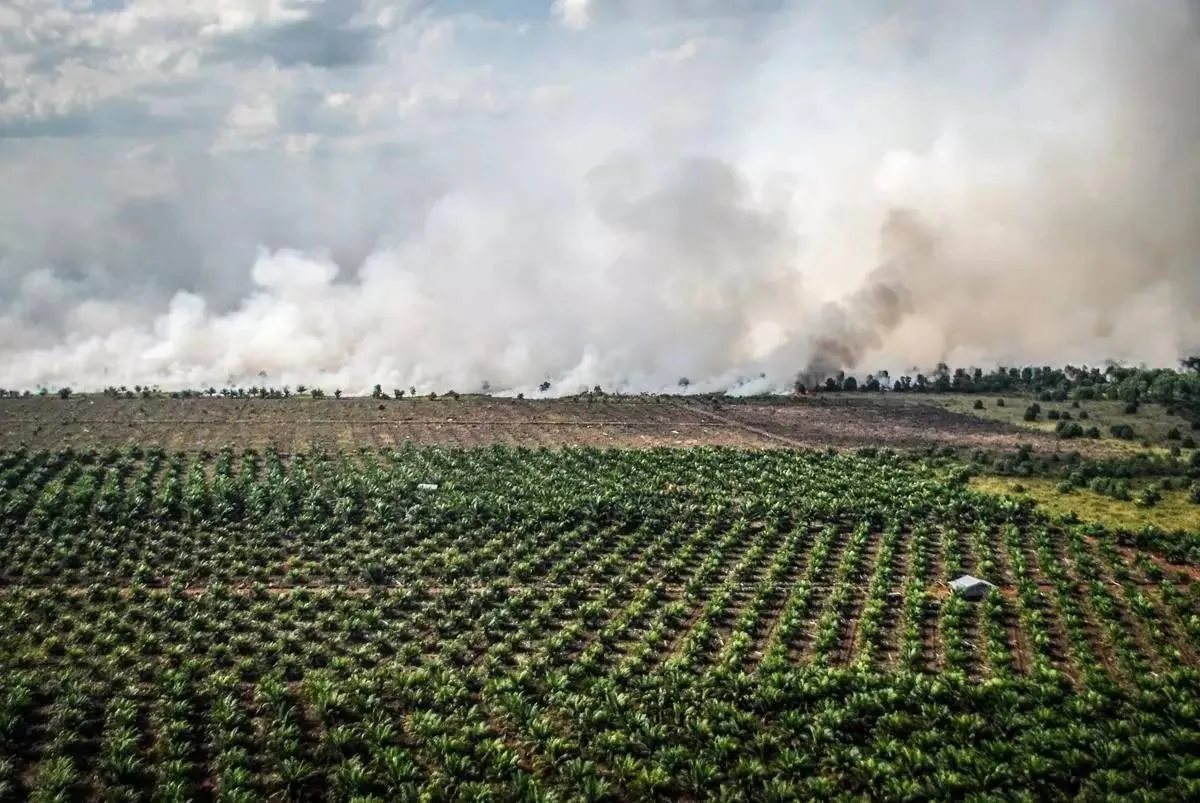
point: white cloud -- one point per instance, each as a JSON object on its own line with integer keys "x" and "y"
{"x": 576, "y": 14}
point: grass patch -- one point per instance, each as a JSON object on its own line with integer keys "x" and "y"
{"x": 1150, "y": 423}
{"x": 1174, "y": 512}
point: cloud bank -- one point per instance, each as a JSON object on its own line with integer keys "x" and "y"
{"x": 441, "y": 194}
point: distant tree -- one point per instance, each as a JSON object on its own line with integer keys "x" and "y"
{"x": 337, "y": 394}
{"x": 1191, "y": 363}
{"x": 872, "y": 385}
{"x": 377, "y": 392}
{"x": 64, "y": 393}
{"x": 850, "y": 384}
{"x": 545, "y": 386}
{"x": 832, "y": 384}
{"x": 398, "y": 393}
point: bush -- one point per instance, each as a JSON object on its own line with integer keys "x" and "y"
{"x": 1069, "y": 429}
{"x": 1065, "y": 416}
{"x": 64, "y": 393}
{"x": 1149, "y": 496}
{"x": 1196, "y": 494}
{"x": 1173, "y": 434}
{"x": 1032, "y": 411}
{"x": 1188, "y": 442}
{"x": 1122, "y": 431}
{"x": 1131, "y": 408}
{"x": 978, "y": 405}
{"x": 1083, "y": 415}
{"x": 1092, "y": 432}
{"x": 999, "y": 402}
{"x": 1075, "y": 405}
{"x": 1053, "y": 415}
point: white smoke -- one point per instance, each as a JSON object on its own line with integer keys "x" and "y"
{"x": 711, "y": 202}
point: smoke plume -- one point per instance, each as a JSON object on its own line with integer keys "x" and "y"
{"x": 344, "y": 194}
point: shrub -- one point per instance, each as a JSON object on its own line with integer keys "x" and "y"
{"x": 1083, "y": 415}
{"x": 978, "y": 405}
{"x": 1188, "y": 442}
{"x": 1196, "y": 494}
{"x": 1069, "y": 429}
{"x": 1149, "y": 496}
{"x": 999, "y": 402}
{"x": 1053, "y": 415}
{"x": 1065, "y": 416}
{"x": 64, "y": 393}
{"x": 1131, "y": 408}
{"x": 1075, "y": 405}
{"x": 1122, "y": 431}
{"x": 1032, "y": 411}
{"x": 1173, "y": 434}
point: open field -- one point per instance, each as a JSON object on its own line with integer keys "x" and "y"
{"x": 575, "y": 624}
{"x": 1175, "y": 512}
{"x": 299, "y": 424}
{"x": 1151, "y": 423}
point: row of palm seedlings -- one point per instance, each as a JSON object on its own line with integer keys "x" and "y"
{"x": 506, "y": 624}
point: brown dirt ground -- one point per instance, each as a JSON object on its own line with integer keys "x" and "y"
{"x": 297, "y": 424}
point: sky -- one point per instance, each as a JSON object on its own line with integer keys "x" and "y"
{"x": 442, "y": 193}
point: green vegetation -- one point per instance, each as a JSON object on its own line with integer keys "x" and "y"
{"x": 1174, "y": 510}
{"x": 499, "y": 623}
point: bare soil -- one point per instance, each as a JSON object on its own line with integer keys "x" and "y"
{"x": 297, "y": 424}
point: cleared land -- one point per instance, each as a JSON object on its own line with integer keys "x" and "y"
{"x": 299, "y": 424}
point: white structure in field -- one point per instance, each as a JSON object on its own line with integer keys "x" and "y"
{"x": 970, "y": 587}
